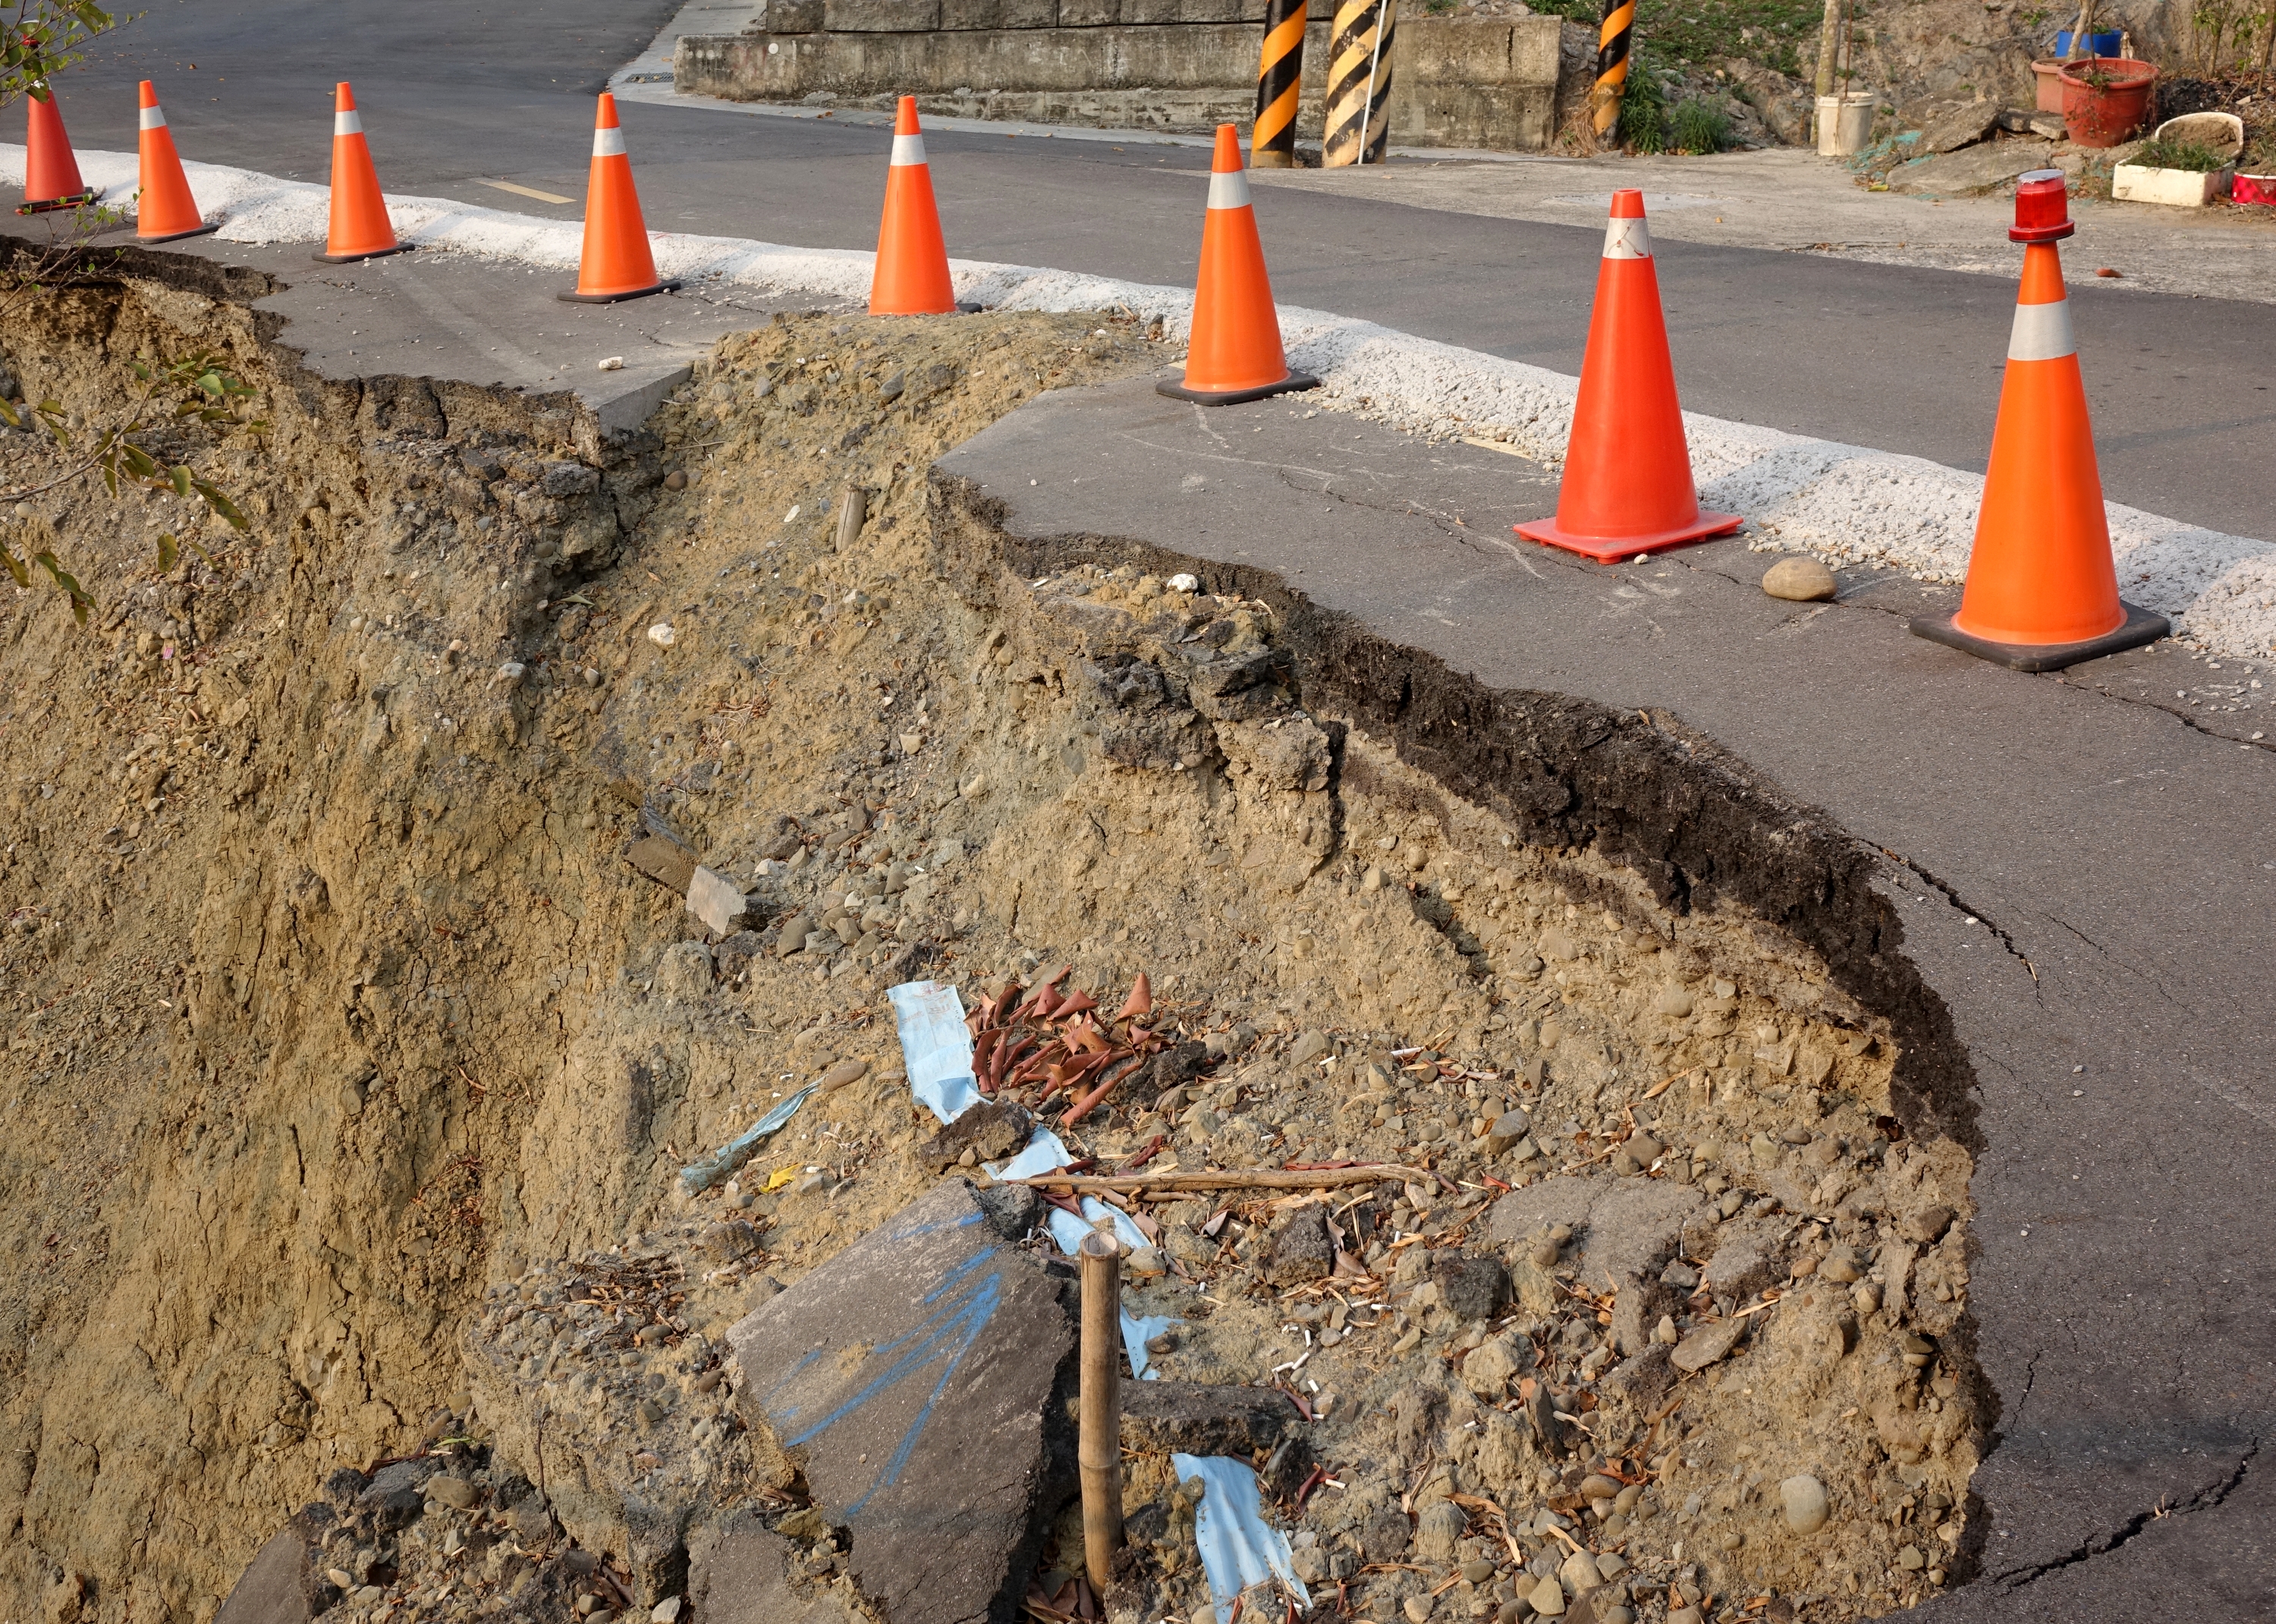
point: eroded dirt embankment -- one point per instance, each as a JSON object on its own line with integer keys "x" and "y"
{"x": 333, "y": 1001}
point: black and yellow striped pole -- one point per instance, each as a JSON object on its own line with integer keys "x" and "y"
{"x": 1272, "y": 143}
{"x": 1359, "y": 82}
{"x": 1612, "y": 63}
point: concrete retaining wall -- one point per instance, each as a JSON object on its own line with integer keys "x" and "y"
{"x": 1171, "y": 64}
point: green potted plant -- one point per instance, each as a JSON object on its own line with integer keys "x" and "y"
{"x": 2188, "y": 162}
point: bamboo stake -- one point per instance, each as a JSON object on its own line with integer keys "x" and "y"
{"x": 1098, "y": 1445}
{"x": 1234, "y": 1178}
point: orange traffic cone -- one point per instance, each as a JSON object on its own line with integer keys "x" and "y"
{"x": 617, "y": 263}
{"x": 360, "y": 227}
{"x": 912, "y": 274}
{"x": 167, "y": 210}
{"x": 52, "y": 178}
{"x": 1234, "y": 352}
{"x": 2042, "y": 592}
{"x": 1628, "y": 487}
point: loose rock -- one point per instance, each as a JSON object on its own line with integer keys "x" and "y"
{"x": 1799, "y": 581}
{"x": 1805, "y": 1503}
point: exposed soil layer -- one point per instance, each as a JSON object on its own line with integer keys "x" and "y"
{"x": 359, "y": 1060}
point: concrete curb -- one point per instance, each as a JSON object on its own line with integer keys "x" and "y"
{"x": 1799, "y": 494}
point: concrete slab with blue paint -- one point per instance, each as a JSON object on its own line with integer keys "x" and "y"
{"x": 909, "y": 1379}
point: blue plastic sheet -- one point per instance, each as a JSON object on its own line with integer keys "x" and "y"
{"x": 1239, "y": 1548}
{"x": 1044, "y": 1154}
{"x": 1068, "y": 1231}
{"x": 731, "y": 1156}
{"x": 935, "y": 1047}
{"x": 1137, "y": 1333}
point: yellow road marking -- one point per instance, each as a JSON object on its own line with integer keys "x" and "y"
{"x": 542, "y": 197}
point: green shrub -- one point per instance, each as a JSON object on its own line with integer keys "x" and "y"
{"x": 1643, "y": 115}
{"x": 2190, "y": 155}
{"x": 1699, "y": 125}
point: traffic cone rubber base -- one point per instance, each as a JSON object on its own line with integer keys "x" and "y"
{"x": 2142, "y": 626}
{"x": 195, "y": 231}
{"x": 351, "y": 259}
{"x": 1233, "y": 397}
{"x": 1615, "y": 549}
{"x": 670, "y": 285}
{"x": 50, "y": 205}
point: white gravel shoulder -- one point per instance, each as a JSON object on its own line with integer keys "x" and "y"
{"x": 1846, "y": 504}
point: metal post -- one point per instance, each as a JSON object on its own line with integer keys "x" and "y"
{"x": 1098, "y": 1442}
{"x": 1279, "y": 74}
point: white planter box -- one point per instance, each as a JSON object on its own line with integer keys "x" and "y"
{"x": 2179, "y": 188}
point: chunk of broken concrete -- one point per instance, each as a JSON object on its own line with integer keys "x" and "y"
{"x": 1300, "y": 1249}
{"x": 1202, "y": 1418}
{"x": 741, "y": 1572}
{"x": 734, "y": 955}
{"x": 273, "y": 1589}
{"x": 991, "y": 1132}
{"x": 1958, "y": 126}
{"x": 1471, "y": 1286}
{"x": 1750, "y": 1254}
{"x": 910, "y": 1382}
{"x": 722, "y": 907}
{"x": 1703, "y": 1346}
{"x": 1625, "y": 1232}
{"x": 1971, "y": 169}
{"x": 663, "y": 860}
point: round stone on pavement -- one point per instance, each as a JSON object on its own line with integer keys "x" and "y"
{"x": 1799, "y": 581}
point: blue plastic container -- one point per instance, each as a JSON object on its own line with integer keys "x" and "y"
{"x": 2097, "y": 44}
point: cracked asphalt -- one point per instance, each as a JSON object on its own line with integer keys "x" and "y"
{"x": 2083, "y": 868}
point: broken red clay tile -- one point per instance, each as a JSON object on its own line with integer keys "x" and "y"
{"x": 1146, "y": 1152}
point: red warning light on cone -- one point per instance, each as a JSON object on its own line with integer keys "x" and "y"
{"x": 2042, "y": 589}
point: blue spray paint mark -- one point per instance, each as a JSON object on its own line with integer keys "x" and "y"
{"x": 949, "y": 1333}
{"x": 789, "y": 1376}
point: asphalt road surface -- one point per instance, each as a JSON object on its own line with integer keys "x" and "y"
{"x": 458, "y": 96}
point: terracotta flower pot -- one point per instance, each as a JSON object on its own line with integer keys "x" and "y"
{"x": 2047, "y": 77}
{"x": 2107, "y": 99}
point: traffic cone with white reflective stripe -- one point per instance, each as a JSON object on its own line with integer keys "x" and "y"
{"x": 51, "y": 177}
{"x": 165, "y": 210}
{"x": 360, "y": 227}
{"x": 1628, "y": 487}
{"x": 2042, "y": 592}
{"x": 617, "y": 262}
{"x": 1234, "y": 352}
{"x": 911, "y": 278}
